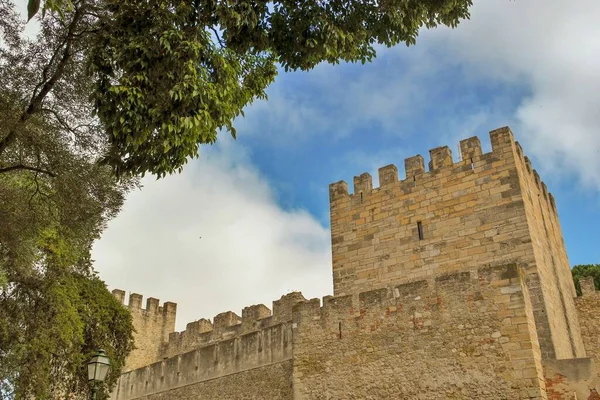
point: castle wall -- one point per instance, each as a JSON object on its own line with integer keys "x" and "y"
{"x": 588, "y": 309}
{"x": 210, "y": 360}
{"x": 549, "y": 277}
{"x": 452, "y": 283}
{"x": 466, "y": 335}
{"x": 456, "y": 217}
{"x": 152, "y": 328}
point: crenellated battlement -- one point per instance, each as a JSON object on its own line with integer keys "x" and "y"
{"x": 153, "y": 324}
{"x": 228, "y": 325}
{"x": 440, "y": 166}
{"x": 152, "y": 304}
{"x": 440, "y": 159}
{"x": 431, "y": 294}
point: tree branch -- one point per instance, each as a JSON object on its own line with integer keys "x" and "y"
{"x": 60, "y": 119}
{"x": 37, "y": 99}
{"x": 28, "y": 168}
{"x": 217, "y": 36}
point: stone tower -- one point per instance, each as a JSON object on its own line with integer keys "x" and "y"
{"x": 153, "y": 325}
{"x": 487, "y": 209}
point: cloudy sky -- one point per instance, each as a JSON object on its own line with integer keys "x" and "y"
{"x": 249, "y": 220}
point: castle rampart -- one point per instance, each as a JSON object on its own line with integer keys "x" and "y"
{"x": 230, "y": 345}
{"x": 228, "y": 325}
{"x": 465, "y": 334}
{"x": 455, "y": 217}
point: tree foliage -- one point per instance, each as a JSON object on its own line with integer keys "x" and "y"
{"x": 169, "y": 87}
{"x": 584, "y": 271}
{"x": 55, "y": 200}
{"x": 54, "y": 311}
{"x": 166, "y": 81}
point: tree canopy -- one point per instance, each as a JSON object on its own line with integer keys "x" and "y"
{"x": 166, "y": 76}
{"x": 55, "y": 200}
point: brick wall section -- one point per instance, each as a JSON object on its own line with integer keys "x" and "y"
{"x": 588, "y": 309}
{"x": 152, "y": 328}
{"x": 462, "y": 335}
{"x": 570, "y": 379}
{"x": 551, "y": 273}
{"x": 216, "y": 361}
{"x": 471, "y": 213}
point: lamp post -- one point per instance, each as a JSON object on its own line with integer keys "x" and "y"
{"x": 98, "y": 368}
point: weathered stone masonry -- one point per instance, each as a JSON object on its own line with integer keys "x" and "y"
{"x": 452, "y": 283}
{"x": 476, "y": 212}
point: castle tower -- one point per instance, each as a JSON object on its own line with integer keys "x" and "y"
{"x": 487, "y": 209}
{"x": 152, "y": 325}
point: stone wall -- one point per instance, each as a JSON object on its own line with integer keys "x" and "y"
{"x": 588, "y": 309}
{"x": 152, "y": 328}
{"x": 464, "y": 335}
{"x": 271, "y": 382}
{"x": 228, "y": 325}
{"x": 469, "y": 213}
{"x": 453, "y": 283}
{"x": 549, "y": 278}
{"x": 456, "y": 217}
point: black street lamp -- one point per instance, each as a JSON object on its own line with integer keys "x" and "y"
{"x": 98, "y": 368}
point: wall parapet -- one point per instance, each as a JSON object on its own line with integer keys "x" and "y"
{"x": 425, "y": 294}
{"x": 228, "y": 325}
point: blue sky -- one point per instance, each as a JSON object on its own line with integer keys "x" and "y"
{"x": 260, "y": 203}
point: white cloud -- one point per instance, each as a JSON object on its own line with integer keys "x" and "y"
{"x": 546, "y": 48}
{"x": 250, "y": 250}
{"x": 552, "y": 48}
{"x": 338, "y": 100}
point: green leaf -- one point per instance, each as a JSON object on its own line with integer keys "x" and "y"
{"x": 33, "y": 7}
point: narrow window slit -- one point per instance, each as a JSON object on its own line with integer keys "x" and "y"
{"x": 420, "y": 229}
{"x": 472, "y": 164}
{"x": 361, "y": 197}
{"x": 340, "y": 328}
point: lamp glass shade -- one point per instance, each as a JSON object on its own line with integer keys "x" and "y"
{"x": 98, "y": 367}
